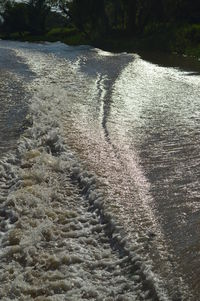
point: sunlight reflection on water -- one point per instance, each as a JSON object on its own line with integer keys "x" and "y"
{"x": 136, "y": 126}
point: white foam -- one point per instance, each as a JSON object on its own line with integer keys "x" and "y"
{"x": 50, "y": 224}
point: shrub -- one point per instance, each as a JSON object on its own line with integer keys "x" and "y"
{"x": 61, "y": 33}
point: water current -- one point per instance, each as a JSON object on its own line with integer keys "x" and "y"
{"x": 99, "y": 174}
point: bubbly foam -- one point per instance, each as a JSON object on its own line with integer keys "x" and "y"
{"x": 61, "y": 238}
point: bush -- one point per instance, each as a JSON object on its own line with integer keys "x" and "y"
{"x": 61, "y": 33}
{"x": 187, "y": 37}
{"x": 192, "y": 33}
{"x": 156, "y": 28}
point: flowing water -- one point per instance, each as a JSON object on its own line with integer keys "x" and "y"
{"x": 99, "y": 175}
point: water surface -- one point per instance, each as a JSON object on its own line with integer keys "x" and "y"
{"x": 127, "y": 128}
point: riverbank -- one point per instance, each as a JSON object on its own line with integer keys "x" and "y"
{"x": 182, "y": 39}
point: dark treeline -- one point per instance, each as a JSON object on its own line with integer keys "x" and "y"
{"x": 176, "y": 23}
{"x": 128, "y": 16}
{"x": 33, "y": 16}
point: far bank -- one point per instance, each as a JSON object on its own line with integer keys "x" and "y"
{"x": 179, "y": 39}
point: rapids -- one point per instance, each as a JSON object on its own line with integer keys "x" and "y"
{"x": 98, "y": 176}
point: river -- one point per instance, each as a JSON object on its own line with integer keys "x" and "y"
{"x": 99, "y": 186}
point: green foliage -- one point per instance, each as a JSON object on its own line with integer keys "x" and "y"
{"x": 55, "y": 20}
{"x": 37, "y": 14}
{"x": 15, "y": 17}
{"x": 192, "y": 33}
{"x": 62, "y": 33}
{"x": 157, "y": 24}
{"x": 89, "y": 16}
{"x": 153, "y": 28}
{"x": 77, "y": 39}
{"x": 187, "y": 37}
{"x": 25, "y": 16}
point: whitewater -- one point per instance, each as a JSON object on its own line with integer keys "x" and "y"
{"x": 91, "y": 148}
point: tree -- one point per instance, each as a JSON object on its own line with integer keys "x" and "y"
{"x": 88, "y": 16}
{"x": 148, "y": 12}
{"x": 15, "y": 17}
{"x": 129, "y": 8}
{"x": 38, "y": 12}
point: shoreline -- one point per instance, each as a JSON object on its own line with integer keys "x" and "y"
{"x": 160, "y": 56}
{"x": 172, "y": 40}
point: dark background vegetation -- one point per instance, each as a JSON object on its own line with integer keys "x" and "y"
{"x": 168, "y": 25}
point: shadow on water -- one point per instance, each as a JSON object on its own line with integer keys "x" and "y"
{"x": 184, "y": 63}
{"x": 13, "y": 98}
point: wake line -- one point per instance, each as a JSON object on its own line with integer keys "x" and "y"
{"x": 34, "y": 180}
{"x": 49, "y": 178}
{"x": 150, "y": 284}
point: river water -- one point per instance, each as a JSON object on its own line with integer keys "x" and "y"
{"x": 99, "y": 187}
